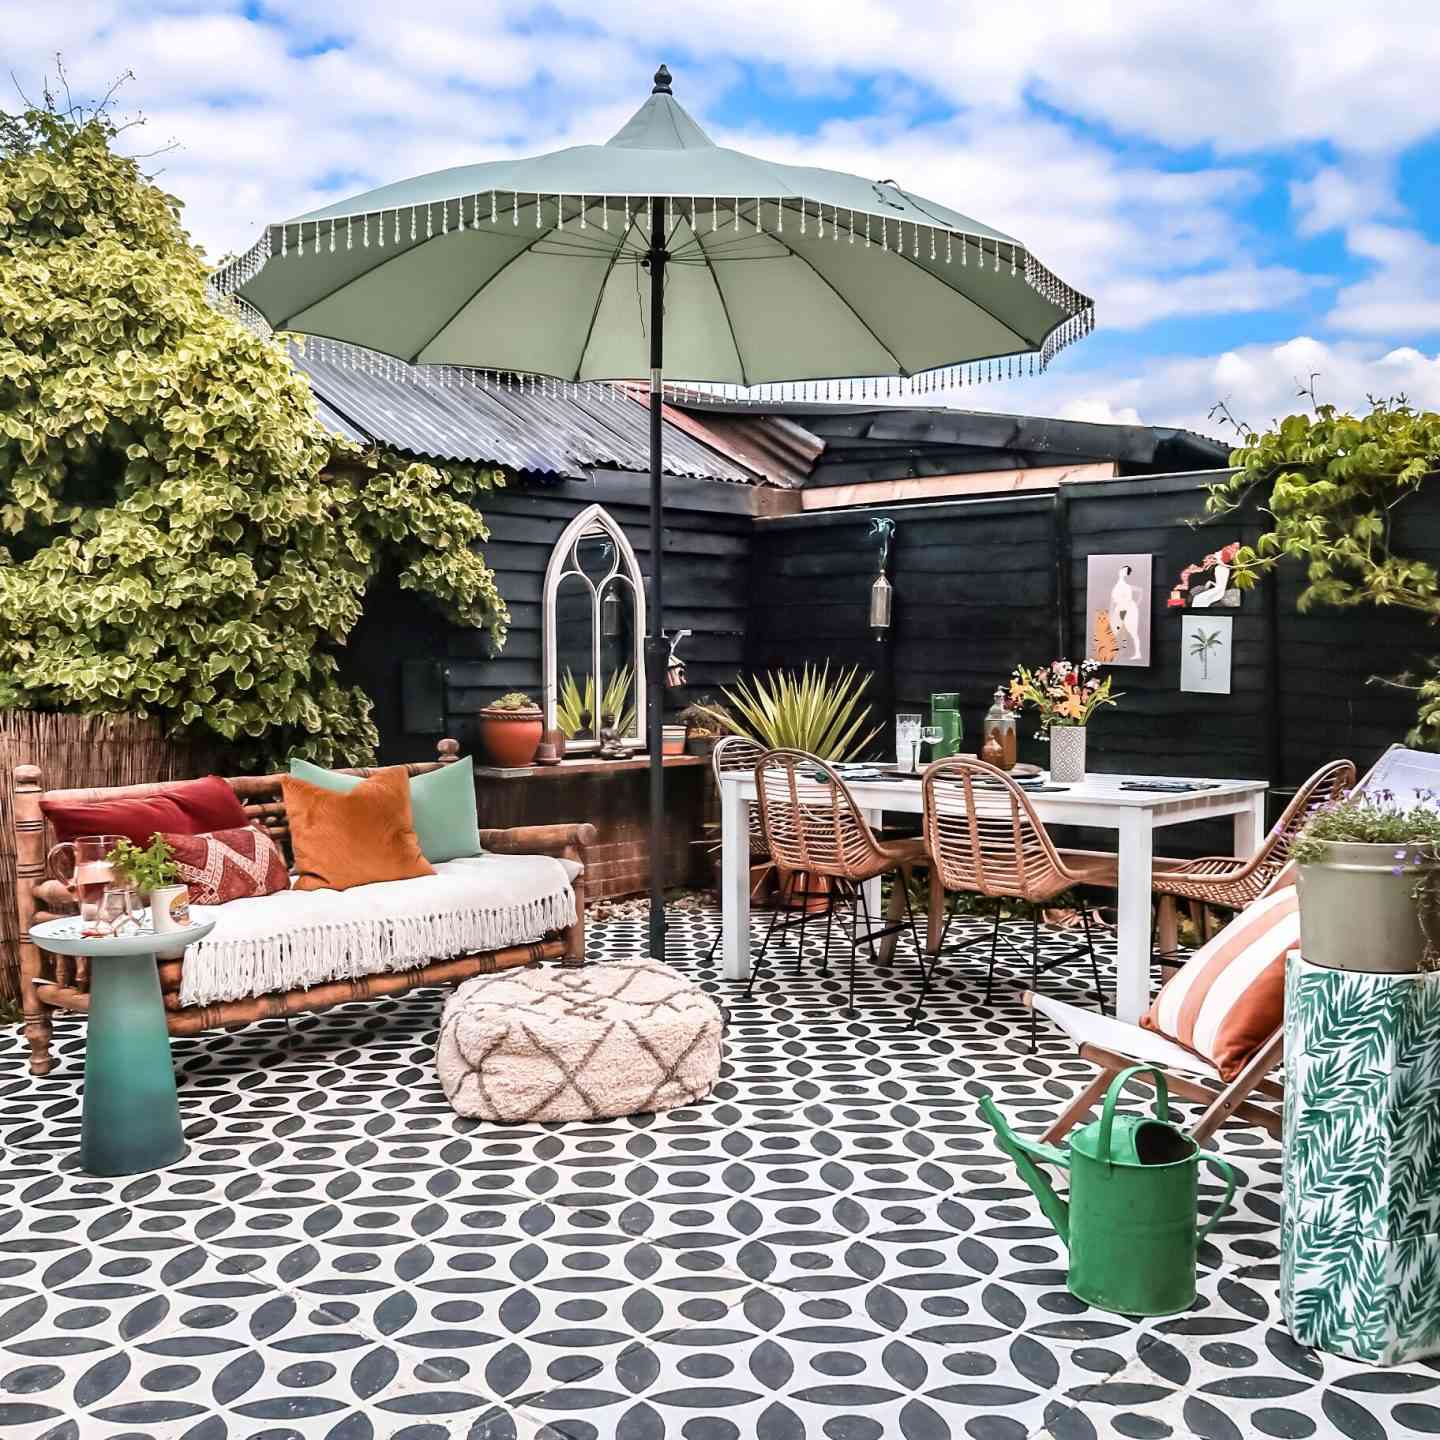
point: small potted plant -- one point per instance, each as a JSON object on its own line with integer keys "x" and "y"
{"x": 1369, "y": 884}
{"x": 155, "y": 877}
{"x": 704, "y": 725}
{"x": 1066, "y": 695}
{"x": 510, "y": 730}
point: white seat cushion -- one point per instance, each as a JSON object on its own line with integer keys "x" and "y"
{"x": 298, "y": 938}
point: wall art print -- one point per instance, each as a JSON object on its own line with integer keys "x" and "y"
{"x": 1117, "y": 606}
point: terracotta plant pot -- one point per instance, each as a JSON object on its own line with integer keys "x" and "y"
{"x": 511, "y": 737}
{"x": 672, "y": 740}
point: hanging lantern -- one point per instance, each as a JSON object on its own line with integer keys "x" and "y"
{"x": 610, "y": 613}
{"x": 882, "y": 594}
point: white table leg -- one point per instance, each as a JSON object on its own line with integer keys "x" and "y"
{"x": 734, "y": 883}
{"x": 874, "y": 819}
{"x": 1132, "y": 940}
{"x": 1250, "y": 826}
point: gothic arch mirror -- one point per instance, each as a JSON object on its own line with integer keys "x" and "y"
{"x": 594, "y": 633}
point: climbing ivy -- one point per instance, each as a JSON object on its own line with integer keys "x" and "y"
{"x": 1331, "y": 483}
{"x": 178, "y": 534}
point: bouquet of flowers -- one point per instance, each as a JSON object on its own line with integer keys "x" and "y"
{"x": 1063, "y": 693}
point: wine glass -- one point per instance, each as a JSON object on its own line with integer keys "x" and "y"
{"x": 907, "y": 739}
{"x": 931, "y": 734}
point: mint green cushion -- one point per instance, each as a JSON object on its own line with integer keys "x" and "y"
{"x": 442, "y": 803}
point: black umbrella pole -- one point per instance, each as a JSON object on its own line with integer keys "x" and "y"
{"x": 657, "y": 657}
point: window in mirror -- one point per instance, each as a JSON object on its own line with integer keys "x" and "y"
{"x": 594, "y": 631}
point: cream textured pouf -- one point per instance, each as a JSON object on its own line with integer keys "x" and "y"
{"x": 578, "y": 1044}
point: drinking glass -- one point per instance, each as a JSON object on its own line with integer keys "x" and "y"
{"x": 84, "y": 866}
{"x": 119, "y": 910}
{"x": 907, "y": 740}
{"x": 931, "y": 735}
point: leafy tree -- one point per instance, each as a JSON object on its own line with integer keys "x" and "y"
{"x": 178, "y": 534}
{"x": 1331, "y": 483}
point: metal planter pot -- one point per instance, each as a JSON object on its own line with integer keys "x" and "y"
{"x": 1357, "y": 914}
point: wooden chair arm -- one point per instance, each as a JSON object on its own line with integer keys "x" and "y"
{"x": 567, "y": 840}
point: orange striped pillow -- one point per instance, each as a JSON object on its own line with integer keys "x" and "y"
{"x": 1228, "y": 998}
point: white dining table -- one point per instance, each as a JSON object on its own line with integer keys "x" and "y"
{"x": 1098, "y": 802}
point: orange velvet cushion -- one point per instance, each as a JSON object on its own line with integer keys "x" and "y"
{"x": 357, "y": 838}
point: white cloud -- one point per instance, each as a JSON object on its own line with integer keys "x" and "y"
{"x": 1337, "y": 196}
{"x": 1258, "y": 383}
{"x": 1401, "y": 296}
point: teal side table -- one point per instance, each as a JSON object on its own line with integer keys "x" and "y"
{"x": 131, "y": 1117}
{"x": 1360, "y": 1237}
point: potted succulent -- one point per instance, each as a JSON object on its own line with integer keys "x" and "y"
{"x": 510, "y": 730}
{"x": 705, "y": 722}
{"x": 1369, "y": 883}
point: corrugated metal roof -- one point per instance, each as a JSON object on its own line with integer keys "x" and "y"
{"x": 448, "y": 414}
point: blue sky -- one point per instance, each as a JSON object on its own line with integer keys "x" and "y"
{"x": 1252, "y": 193}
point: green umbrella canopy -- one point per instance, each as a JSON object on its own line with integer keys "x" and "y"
{"x": 775, "y": 272}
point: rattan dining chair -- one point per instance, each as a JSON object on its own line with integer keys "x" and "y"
{"x": 1231, "y": 883}
{"x": 732, "y": 753}
{"x": 812, "y": 826}
{"x": 984, "y": 838}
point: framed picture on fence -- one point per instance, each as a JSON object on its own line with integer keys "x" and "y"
{"x": 1117, "y": 609}
{"x": 1206, "y": 645}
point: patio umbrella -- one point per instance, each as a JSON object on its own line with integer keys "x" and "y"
{"x": 662, "y": 253}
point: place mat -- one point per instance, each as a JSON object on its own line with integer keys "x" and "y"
{"x": 1170, "y": 787}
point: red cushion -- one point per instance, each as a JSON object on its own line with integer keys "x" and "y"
{"x": 229, "y": 865}
{"x": 187, "y": 807}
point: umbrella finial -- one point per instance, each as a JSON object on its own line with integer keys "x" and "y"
{"x": 662, "y": 82}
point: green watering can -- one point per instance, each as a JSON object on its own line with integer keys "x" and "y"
{"x": 1130, "y": 1221}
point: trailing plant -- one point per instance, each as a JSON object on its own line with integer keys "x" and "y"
{"x": 809, "y": 711}
{"x": 575, "y": 707}
{"x": 1331, "y": 483}
{"x": 151, "y": 868}
{"x": 179, "y": 536}
{"x": 513, "y": 700}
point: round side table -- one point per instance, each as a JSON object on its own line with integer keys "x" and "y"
{"x": 131, "y": 1118}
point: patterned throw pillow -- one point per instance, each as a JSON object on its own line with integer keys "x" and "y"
{"x": 229, "y": 865}
{"x": 1228, "y": 998}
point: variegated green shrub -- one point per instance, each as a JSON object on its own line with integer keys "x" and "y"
{"x": 178, "y": 534}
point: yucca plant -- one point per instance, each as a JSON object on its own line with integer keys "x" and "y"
{"x": 808, "y": 711}
{"x": 575, "y": 707}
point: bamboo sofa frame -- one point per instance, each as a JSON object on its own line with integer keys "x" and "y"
{"x": 52, "y": 982}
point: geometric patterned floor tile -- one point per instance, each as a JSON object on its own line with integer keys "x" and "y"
{"x": 830, "y": 1246}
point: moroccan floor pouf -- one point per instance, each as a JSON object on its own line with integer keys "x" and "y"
{"x": 550, "y": 1043}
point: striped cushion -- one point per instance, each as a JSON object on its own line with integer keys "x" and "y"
{"x": 1228, "y": 999}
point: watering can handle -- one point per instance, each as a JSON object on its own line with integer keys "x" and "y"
{"x": 1215, "y": 1162}
{"x": 1107, "y": 1116}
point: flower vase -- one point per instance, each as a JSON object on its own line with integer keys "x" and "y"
{"x": 1067, "y": 753}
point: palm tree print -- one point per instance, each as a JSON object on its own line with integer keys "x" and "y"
{"x": 1202, "y": 644}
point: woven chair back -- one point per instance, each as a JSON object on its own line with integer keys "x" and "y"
{"x": 1327, "y": 784}
{"x": 983, "y": 834}
{"x": 740, "y": 752}
{"x": 810, "y": 820}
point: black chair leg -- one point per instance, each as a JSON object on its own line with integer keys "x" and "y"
{"x": 804, "y": 917}
{"x": 994, "y": 947}
{"x": 829, "y": 925}
{"x": 1094, "y": 963}
{"x": 760, "y": 958}
{"x": 857, "y": 903}
{"x": 1034, "y": 976}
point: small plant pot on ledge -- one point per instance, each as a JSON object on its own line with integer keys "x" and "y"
{"x": 511, "y": 735}
{"x": 1358, "y": 913}
{"x": 672, "y": 740}
{"x": 702, "y": 745}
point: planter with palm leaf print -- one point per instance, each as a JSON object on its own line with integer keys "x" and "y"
{"x": 1360, "y": 1267}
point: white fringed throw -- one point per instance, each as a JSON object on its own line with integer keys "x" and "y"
{"x": 300, "y": 938}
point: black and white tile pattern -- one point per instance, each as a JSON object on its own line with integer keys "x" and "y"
{"x": 830, "y": 1247}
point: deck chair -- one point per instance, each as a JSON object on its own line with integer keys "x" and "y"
{"x": 1114, "y": 1045}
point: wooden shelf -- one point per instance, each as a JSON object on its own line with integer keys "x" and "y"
{"x": 583, "y": 765}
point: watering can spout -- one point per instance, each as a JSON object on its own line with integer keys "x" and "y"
{"x": 1024, "y": 1153}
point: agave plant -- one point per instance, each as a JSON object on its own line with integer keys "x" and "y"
{"x": 810, "y": 711}
{"x": 575, "y": 707}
